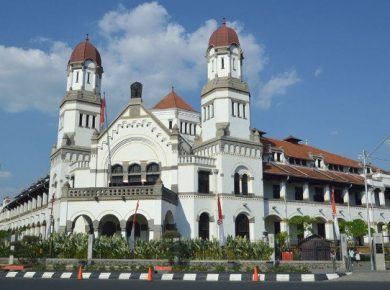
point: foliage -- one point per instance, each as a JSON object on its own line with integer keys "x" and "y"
{"x": 5, "y": 243}
{"x": 353, "y": 229}
{"x": 306, "y": 221}
{"x": 29, "y": 249}
{"x": 288, "y": 268}
{"x": 115, "y": 247}
{"x": 171, "y": 234}
{"x": 281, "y": 240}
{"x": 67, "y": 246}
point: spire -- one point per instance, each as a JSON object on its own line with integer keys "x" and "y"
{"x": 87, "y": 37}
{"x": 224, "y": 21}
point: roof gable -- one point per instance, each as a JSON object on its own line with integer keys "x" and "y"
{"x": 173, "y": 100}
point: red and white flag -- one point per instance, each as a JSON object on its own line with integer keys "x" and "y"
{"x": 132, "y": 233}
{"x": 220, "y": 222}
{"x": 102, "y": 111}
{"x": 334, "y": 215}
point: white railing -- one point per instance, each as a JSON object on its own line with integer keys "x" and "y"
{"x": 78, "y": 165}
{"x": 196, "y": 160}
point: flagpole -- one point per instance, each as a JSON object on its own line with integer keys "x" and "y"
{"x": 108, "y": 142}
{"x": 368, "y": 200}
{"x": 132, "y": 233}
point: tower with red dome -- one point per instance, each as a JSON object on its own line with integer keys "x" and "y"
{"x": 225, "y": 98}
{"x": 80, "y": 108}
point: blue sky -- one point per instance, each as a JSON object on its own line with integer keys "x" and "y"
{"x": 318, "y": 70}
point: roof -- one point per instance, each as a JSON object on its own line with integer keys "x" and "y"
{"x": 173, "y": 100}
{"x": 303, "y": 151}
{"x": 85, "y": 50}
{"x": 312, "y": 173}
{"x": 223, "y": 36}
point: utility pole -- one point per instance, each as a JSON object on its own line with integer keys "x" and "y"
{"x": 368, "y": 201}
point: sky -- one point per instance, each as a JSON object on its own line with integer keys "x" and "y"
{"x": 318, "y": 70}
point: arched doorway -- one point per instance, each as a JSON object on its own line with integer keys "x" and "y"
{"x": 82, "y": 224}
{"x": 242, "y": 226}
{"x": 204, "y": 226}
{"x": 272, "y": 224}
{"x": 169, "y": 223}
{"x": 141, "y": 229}
{"x": 319, "y": 227}
{"x": 109, "y": 225}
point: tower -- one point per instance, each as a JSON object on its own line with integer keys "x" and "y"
{"x": 225, "y": 97}
{"x": 80, "y": 108}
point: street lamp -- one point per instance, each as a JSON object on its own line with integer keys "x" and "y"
{"x": 368, "y": 201}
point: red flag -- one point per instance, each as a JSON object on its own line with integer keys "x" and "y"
{"x": 333, "y": 204}
{"x": 102, "y": 111}
{"x": 220, "y": 216}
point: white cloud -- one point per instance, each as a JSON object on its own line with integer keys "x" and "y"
{"x": 334, "y": 132}
{"x": 276, "y": 86}
{"x": 318, "y": 71}
{"x": 5, "y": 174}
{"x": 32, "y": 78}
{"x": 140, "y": 44}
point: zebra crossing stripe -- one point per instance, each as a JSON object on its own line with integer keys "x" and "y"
{"x": 167, "y": 276}
{"x": 66, "y": 275}
{"x": 307, "y": 278}
{"x": 189, "y": 277}
{"x": 124, "y": 276}
{"x": 11, "y": 274}
{"x": 212, "y": 277}
{"x": 47, "y": 275}
{"x": 29, "y": 274}
{"x": 104, "y": 275}
{"x": 282, "y": 277}
{"x": 235, "y": 277}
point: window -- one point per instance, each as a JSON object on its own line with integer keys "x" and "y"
{"x": 203, "y": 181}
{"x": 77, "y": 77}
{"x": 321, "y": 229}
{"x": 195, "y": 129}
{"x": 152, "y": 173}
{"x": 244, "y": 184}
{"x": 298, "y": 193}
{"x": 170, "y": 124}
{"x": 236, "y": 183}
{"x": 116, "y": 175}
{"x": 204, "y": 226}
{"x": 338, "y": 197}
{"x": 276, "y": 228}
{"x": 88, "y": 78}
{"x": 233, "y": 111}
{"x": 318, "y": 194}
{"x": 134, "y": 174}
{"x": 212, "y": 66}
{"x": 276, "y": 191}
{"x": 242, "y": 226}
{"x": 358, "y": 198}
{"x": 239, "y": 106}
{"x": 81, "y": 120}
{"x": 243, "y": 111}
{"x": 234, "y": 63}
{"x": 93, "y": 122}
{"x": 222, "y": 63}
{"x": 87, "y": 121}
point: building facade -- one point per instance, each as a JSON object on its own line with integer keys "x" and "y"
{"x": 174, "y": 162}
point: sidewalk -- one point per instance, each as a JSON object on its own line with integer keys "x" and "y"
{"x": 371, "y": 276}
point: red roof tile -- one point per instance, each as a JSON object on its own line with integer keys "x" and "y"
{"x": 223, "y": 36}
{"x": 85, "y": 50}
{"x": 172, "y": 100}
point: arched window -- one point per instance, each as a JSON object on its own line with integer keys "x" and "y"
{"x": 134, "y": 174}
{"x": 244, "y": 184}
{"x": 242, "y": 226}
{"x": 204, "y": 226}
{"x": 236, "y": 183}
{"x": 116, "y": 175}
{"x": 152, "y": 173}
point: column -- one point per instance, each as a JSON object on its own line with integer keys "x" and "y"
{"x": 283, "y": 189}
{"x": 327, "y": 193}
{"x": 122, "y": 225}
{"x": 95, "y": 225}
{"x": 382, "y": 201}
{"x": 329, "y": 230}
{"x": 306, "y": 191}
{"x": 346, "y": 196}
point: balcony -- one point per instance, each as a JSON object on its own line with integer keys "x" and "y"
{"x": 144, "y": 192}
{"x": 196, "y": 160}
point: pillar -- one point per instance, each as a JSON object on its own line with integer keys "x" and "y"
{"x": 382, "y": 201}
{"x": 329, "y": 230}
{"x": 327, "y": 193}
{"x": 306, "y": 191}
{"x": 122, "y": 225}
{"x": 283, "y": 189}
{"x": 95, "y": 225}
{"x": 346, "y": 196}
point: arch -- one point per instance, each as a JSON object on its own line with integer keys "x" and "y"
{"x": 169, "y": 223}
{"x": 272, "y": 224}
{"x": 82, "y": 224}
{"x": 116, "y": 175}
{"x": 109, "y": 225}
{"x": 319, "y": 227}
{"x": 152, "y": 173}
{"x": 204, "y": 226}
{"x": 242, "y": 226}
{"x": 141, "y": 227}
{"x": 152, "y": 167}
{"x": 134, "y": 176}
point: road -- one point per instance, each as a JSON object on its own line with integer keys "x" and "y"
{"x": 64, "y": 284}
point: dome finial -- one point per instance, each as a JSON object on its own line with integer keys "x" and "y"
{"x": 87, "y": 37}
{"x": 224, "y": 21}
{"x": 173, "y": 88}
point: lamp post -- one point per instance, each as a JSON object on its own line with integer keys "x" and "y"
{"x": 368, "y": 200}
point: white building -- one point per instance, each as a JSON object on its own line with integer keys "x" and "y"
{"x": 174, "y": 161}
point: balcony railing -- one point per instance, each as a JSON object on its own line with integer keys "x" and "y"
{"x": 196, "y": 160}
{"x": 157, "y": 191}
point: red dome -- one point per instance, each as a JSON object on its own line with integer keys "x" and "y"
{"x": 223, "y": 36}
{"x": 85, "y": 50}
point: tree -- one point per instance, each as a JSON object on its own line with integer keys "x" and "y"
{"x": 303, "y": 223}
{"x": 354, "y": 230}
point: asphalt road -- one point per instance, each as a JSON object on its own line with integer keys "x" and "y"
{"x": 59, "y": 284}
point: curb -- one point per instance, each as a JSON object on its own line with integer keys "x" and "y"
{"x": 233, "y": 277}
